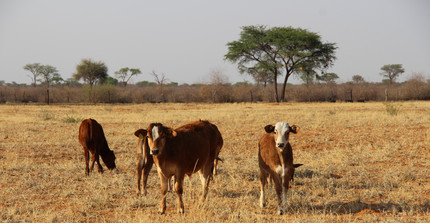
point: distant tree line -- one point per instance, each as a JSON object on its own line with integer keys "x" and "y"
{"x": 266, "y": 54}
{"x": 416, "y": 88}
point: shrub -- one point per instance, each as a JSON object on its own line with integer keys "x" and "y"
{"x": 392, "y": 109}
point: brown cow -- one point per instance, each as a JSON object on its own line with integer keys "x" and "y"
{"x": 191, "y": 148}
{"x": 275, "y": 158}
{"x": 92, "y": 139}
{"x": 144, "y": 160}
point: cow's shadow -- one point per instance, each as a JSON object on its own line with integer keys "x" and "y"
{"x": 350, "y": 207}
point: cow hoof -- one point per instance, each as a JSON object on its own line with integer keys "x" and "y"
{"x": 160, "y": 213}
{"x": 181, "y": 211}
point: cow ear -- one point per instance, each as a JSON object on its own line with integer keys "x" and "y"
{"x": 141, "y": 133}
{"x": 294, "y": 129}
{"x": 170, "y": 132}
{"x": 269, "y": 128}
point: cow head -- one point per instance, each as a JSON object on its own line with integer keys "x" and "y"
{"x": 281, "y": 132}
{"x": 157, "y": 137}
{"x": 108, "y": 158}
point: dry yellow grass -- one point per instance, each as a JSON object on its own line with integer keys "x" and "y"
{"x": 360, "y": 164}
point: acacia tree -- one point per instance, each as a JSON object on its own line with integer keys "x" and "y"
{"x": 253, "y": 54}
{"x": 49, "y": 74}
{"x": 392, "y": 72}
{"x": 357, "y": 79}
{"x": 91, "y": 72}
{"x": 124, "y": 74}
{"x": 280, "y": 50}
{"x": 34, "y": 68}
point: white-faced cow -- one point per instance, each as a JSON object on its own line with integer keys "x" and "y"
{"x": 191, "y": 148}
{"x": 275, "y": 158}
{"x": 92, "y": 139}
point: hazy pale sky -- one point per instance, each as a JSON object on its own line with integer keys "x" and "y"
{"x": 186, "y": 40}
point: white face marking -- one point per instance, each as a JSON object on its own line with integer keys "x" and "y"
{"x": 155, "y": 134}
{"x": 281, "y": 128}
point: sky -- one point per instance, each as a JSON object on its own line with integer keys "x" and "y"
{"x": 186, "y": 40}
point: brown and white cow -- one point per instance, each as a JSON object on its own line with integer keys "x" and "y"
{"x": 144, "y": 160}
{"x": 92, "y": 139}
{"x": 191, "y": 148}
{"x": 275, "y": 158}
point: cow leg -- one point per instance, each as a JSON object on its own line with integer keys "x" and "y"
{"x": 146, "y": 170}
{"x": 163, "y": 180}
{"x": 139, "y": 168}
{"x": 263, "y": 182}
{"x": 179, "y": 190}
{"x": 93, "y": 160}
{"x": 286, "y": 184}
{"x": 87, "y": 159}
{"x": 205, "y": 177}
{"x": 97, "y": 157}
{"x": 278, "y": 189}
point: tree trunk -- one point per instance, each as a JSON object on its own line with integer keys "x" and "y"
{"x": 47, "y": 95}
{"x": 276, "y": 87}
{"x": 284, "y": 85}
{"x": 386, "y": 95}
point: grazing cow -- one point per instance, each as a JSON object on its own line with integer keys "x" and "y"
{"x": 93, "y": 140}
{"x": 191, "y": 148}
{"x": 275, "y": 159}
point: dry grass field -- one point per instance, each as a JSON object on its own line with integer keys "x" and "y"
{"x": 362, "y": 163}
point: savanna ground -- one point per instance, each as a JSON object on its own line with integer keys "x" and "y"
{"x": 362, "y": 163}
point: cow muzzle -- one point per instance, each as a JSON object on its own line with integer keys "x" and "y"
{"x": 280, "y": 145}
{"x": 155, "y": 151}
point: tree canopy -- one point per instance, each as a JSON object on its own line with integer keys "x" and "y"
{"x": 280, "y": 50}
{"x": 124, "y": 74}
{"x": 34, "y": 68}
{"x": 91, "y": 72}
{"x": 49, "y": 74}
{"x": 392, "y": 72}
{"x": 357, "y": 79}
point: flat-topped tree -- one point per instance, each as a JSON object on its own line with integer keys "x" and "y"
{"x": 280, "y": 50}
{"x": 125, "y": 73}
{"x": 392, "y": 72}
{"x": 34, "y": 68}
{"x": 49, "y": 75}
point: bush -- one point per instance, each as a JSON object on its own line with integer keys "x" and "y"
{"x": 392, "y": 109}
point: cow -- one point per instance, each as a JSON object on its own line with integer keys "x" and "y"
{"x": 191, "y": 148}
{"x": 275, "y": 159}
{"x": 92, "y": 139}
{"x": 144, "y": 160}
